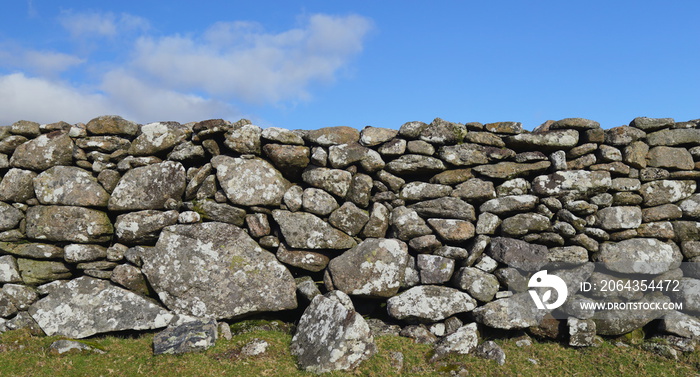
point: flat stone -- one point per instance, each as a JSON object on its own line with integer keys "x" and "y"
{"x": 623, "y": 135}
{"x": 45, "y": 151}
{"x": 306, "y": 231}
{"x": 282, "y": 136}
{"x": 112, "y": 125}
{"x": 620, "y": 217}
{"x": 640, "y": 255}
{"x": 67, "y": 223}
{"x": 524, "y": 223}
{"x": 511, "y": 203}
{"x": 673, "y": 137}
{"x": 71, "y": 186}
{"x": 373, "y": 268}
{"x": 86, "y": 306}
{"x": 510, "y": 170}
{"x": 666, "y": 191}
{"x": 372, "y": 136}
{"x": 448, "y": 208}
{"x": 328, "y": 136}
{"x": 452, "y": 230}
{"x": 143, "y": 226}
{"x": 334, "y": 181}
{"x": 567, "y": 182}
{"x": 552, "y": 140}
{"x": 575, "y": 123}
{"x": 149, "y": 187}
{"x": 515, "y": 312}
{"x": 443, "y": 132}
{"x": 193, "y": 336}
{"x": 518, "y": 253}
{"x": 618, "y": 322}
{"x": 415, "y": 191}
{"x": 651, "y": 124}
{"x": 427, "y": 303}
{"x": 216, "y": 269}
{"x": 63, "y": 346}
{"x": 409, "y": 164}
{"x": 250, "y": 182}
{"x": 306, "y": 260}
{"x": 104, "y": 144}
{"x": 475, "y": 189}
{"x": 211, "y": 210}
{"x": 510, "y": 128}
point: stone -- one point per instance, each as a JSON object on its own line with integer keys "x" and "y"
{"x": 43, "y": 152}
{"x": 157, "y": 137}
{"x": 373, "y": 268}
{"x": 193, "y": 336}
{"x": 7, "y": 309}
{"x": 67, "y": 223}
{"x": 72, "y": 186}
{"x": 86, "y": 306}
{"x": 428, "y": 303}
{"x": 552, "y": 140}
{"x": 373, "y": 136}
{"x": 328, "y": 136}
{"x": 688, "y": 294}
{"x": 475, "y": 189}
{"x": 515, "y": 312}
{"x": 318, "y": 202}
{"x": 416, "y": 191}
{"x": 623, "y": 135}
{"x": 425, "y": 244}
{"x": 420, "y": 147}
{"x": 651, "y": 124}
{"x": 640, "y": 256}
{"x": 290, "y": 159}
{"x": 618, "y": 322}
{"x": 577, "y": 182}
{"x": 104, "y": 144}
{"x": 524, "y": 223}
{"x": 143, "y": 226}
{"x": 443, "y": 132}
{"x": 518, "y": 253}
{"x": 258, "y": 225}
{"x": 434, "y": 269}
{"x": 567, "y": 256}
{"x": 76, "y": 253}
{"x": 334, "y": 181}
{"x": 508, "y": 204}
{"x": 479, "y": 284}
{"x": 674, "y": 137}
{"x": 25, "y": 128}
{"x": 341, "y": 156}
{"x": 35, "y": 272}
{"x": 510, "y": 170}
{"x": 407, "y": 224}
{"x": 188, "y": 217}
{"x": 582, "y": 332}
{"x": 216, "y": 269}
{"x": 464, "y": 154}
{"x": 255, "y": 347}
{"x": 250, "y": 182}
{"x": 394, "y": 147}
{"x": 619, "y": 217}
{"x": 393, "y": 182}
{"x": 306, "y": 260}
{"x": 487, "y": 223}
{"x": 691, "y": 206}
{"x": 452, "y": 176}
{"x": 282, "y": 136}
{"x": 244, "y": 139}
{"x": 349, "y": 218}
{"x": 451, "y": 230}
{"x": 672, "y": 158}
{"x": 9, "y": 271}
{"x": 447, "y": 207}
{"x": 21, "y": 296}
{"x": 305, "y": 231}
{"x": 331, "y": 336}
{"x": 187, "y": 151}
{"x": 680, "y": 324}
{"x": 360, "y": 191}
{"x": 17, "y": 186}
{"x": 211, "y": 210}
{"x": 378, "y": 222}
{"x": 509, "y": 128}
{"x": 307, "y": 288}
{"x": 411, "y": 164}
{"x": 636, "y": 154}
{"x": 149, "y": 187}
{"x": 9, "y": 216}
{"x": 666, "y": 191}
{"x": 112, "y": 125}
{"x": 131, "y": 278}
{"x": 462, "y": 342}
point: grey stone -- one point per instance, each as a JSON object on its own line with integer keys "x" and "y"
{"x": 112, "y": 125}
{"x": 76, "y": 253}
{"x": 510, "y": 170}
{"x": 510, "y": 128}
{"x": 157, "y": 137}
{"x": 39, "y": 272}
{"x": 487, "y": 223}
{"x": 393, "y": 182}
{"x": 306, "y": 260}
{"x": 427, "y": 303}
{"x": 568, "y": 182}
{"x": 72, "y": 186}
{"x": 479, "y": 284}
{"x": 25, "y": 128}
{"x": 420, "y": 147}
{"x": 318, "y": 202}
{"x": 582, "y": 332}
{"x": 640, "y": 255}
{"x": 448, "y": 207}
{"x": 518, "y": 253}
{"x": 451, "y": 230}
{"x": 282, "y": 136}
{"x": 290, "y": 159}
{"x": 489, "y": 350}
{"x": 340, "y": 156}
{"x": 211, "y": 210}
{"x": 334, "y": 181}
{"x": 395, "y": 147}
{"x": 193, "y": 336}
{"x": 63, "y": 346}
{"x": 619, "y": 217}
{"x": 349, "y": 218}
{"x": 360, "y": 191}
{"x": 416, "y": 191}
{"x": 21, "y": 296}
{"x": 515, "y": 312}
{"x": 409, "y": 164}
{"x": 255, "y": 347}
{"x": 86, "y": 306}
{"x": 636, "y": 154}
{"x": 461, "y": 342}
{"x": 328, "y": 136}
{"x": 666, "y": 191}
{"x": 651, "y": 124}
{"x": 524, "y": 223}
{"x": 378, "y": 222}
{"x": 575, "y": 123}
{"x": 307, "y": 288}
{"x": 680, "y": 324}
{"x": 331, "y": 336}
{"x": 672, "y": 158}
{"x": 452, "y": 176}
{"x": 434, "y": 269}
{"x": 143, "y": 226}
{"x": 9, "y": 271}
{"x": 244, "y": 139}
{"x": 623, "y": 135}
{"x": 407, "y": 224}
{"x": 688, "y": 295}
{"x": 250, "y": 182}
{"x": 104, "y": 144}
{"x": 293, "y": 198}
{"x": 306, "y": 231}
{"x": 464, "y": 154}
{"x": 674, "y": 137}
{"x": 443, "y": 132}
{"x": 216, "y": 269}
{"x": 131, "y": 278}
{"x": 517, "y": 186}
{"x": 149, "y": 187}
{"x": 475, "y": 189}
{"x": 552, "y": 140}
{"x": 372, "y": 136}
{"x": 66, "y": 223}
{"x": 9, "y": 216}
{"x": 691, "y": 206}
{"x": 511, "y": 203}
{"x": 373, "y": 268}
{"x": 618, "y": 322}
{"x": 17, "y": 186}
{"x": 43, "y": 152}
{"x": 567, "y": 256}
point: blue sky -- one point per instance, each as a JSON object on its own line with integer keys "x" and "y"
{"x": 312, "y": 64}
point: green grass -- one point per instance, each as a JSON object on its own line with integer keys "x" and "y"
{"x": 24, "y": 355}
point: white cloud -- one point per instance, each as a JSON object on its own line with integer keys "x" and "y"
{"x": 92, "y": 24}
{"x": 177, "y": 77}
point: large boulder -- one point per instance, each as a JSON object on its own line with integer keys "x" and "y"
{"x": 331, "y": 335}
{"x": 149, "y": 187}
{"x": 429, "y": 303}
{"x": 305, "y": 231}
{"x": 250, "y": 182}
{"x": 67, "y": 223}
{"x": 69, "y": 186}
{"x": 216, "y": 269}
{"x": 86, "y": 306}
{"x": 373, "y": 268}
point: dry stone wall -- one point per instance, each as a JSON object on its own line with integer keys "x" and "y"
{"x": 437, "y": 228}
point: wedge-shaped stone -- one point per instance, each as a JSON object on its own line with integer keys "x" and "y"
{"x": 305, "y": 231}
{"x": 149, "y": 187}
{"x": 640, "y": 256}
{"x": 250, "y": 182}
{"x": 428, "y": 303}
{"x": 69, "y": 186}
{"x": 86, "y": 306}
{"x": 373, "y": 268}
